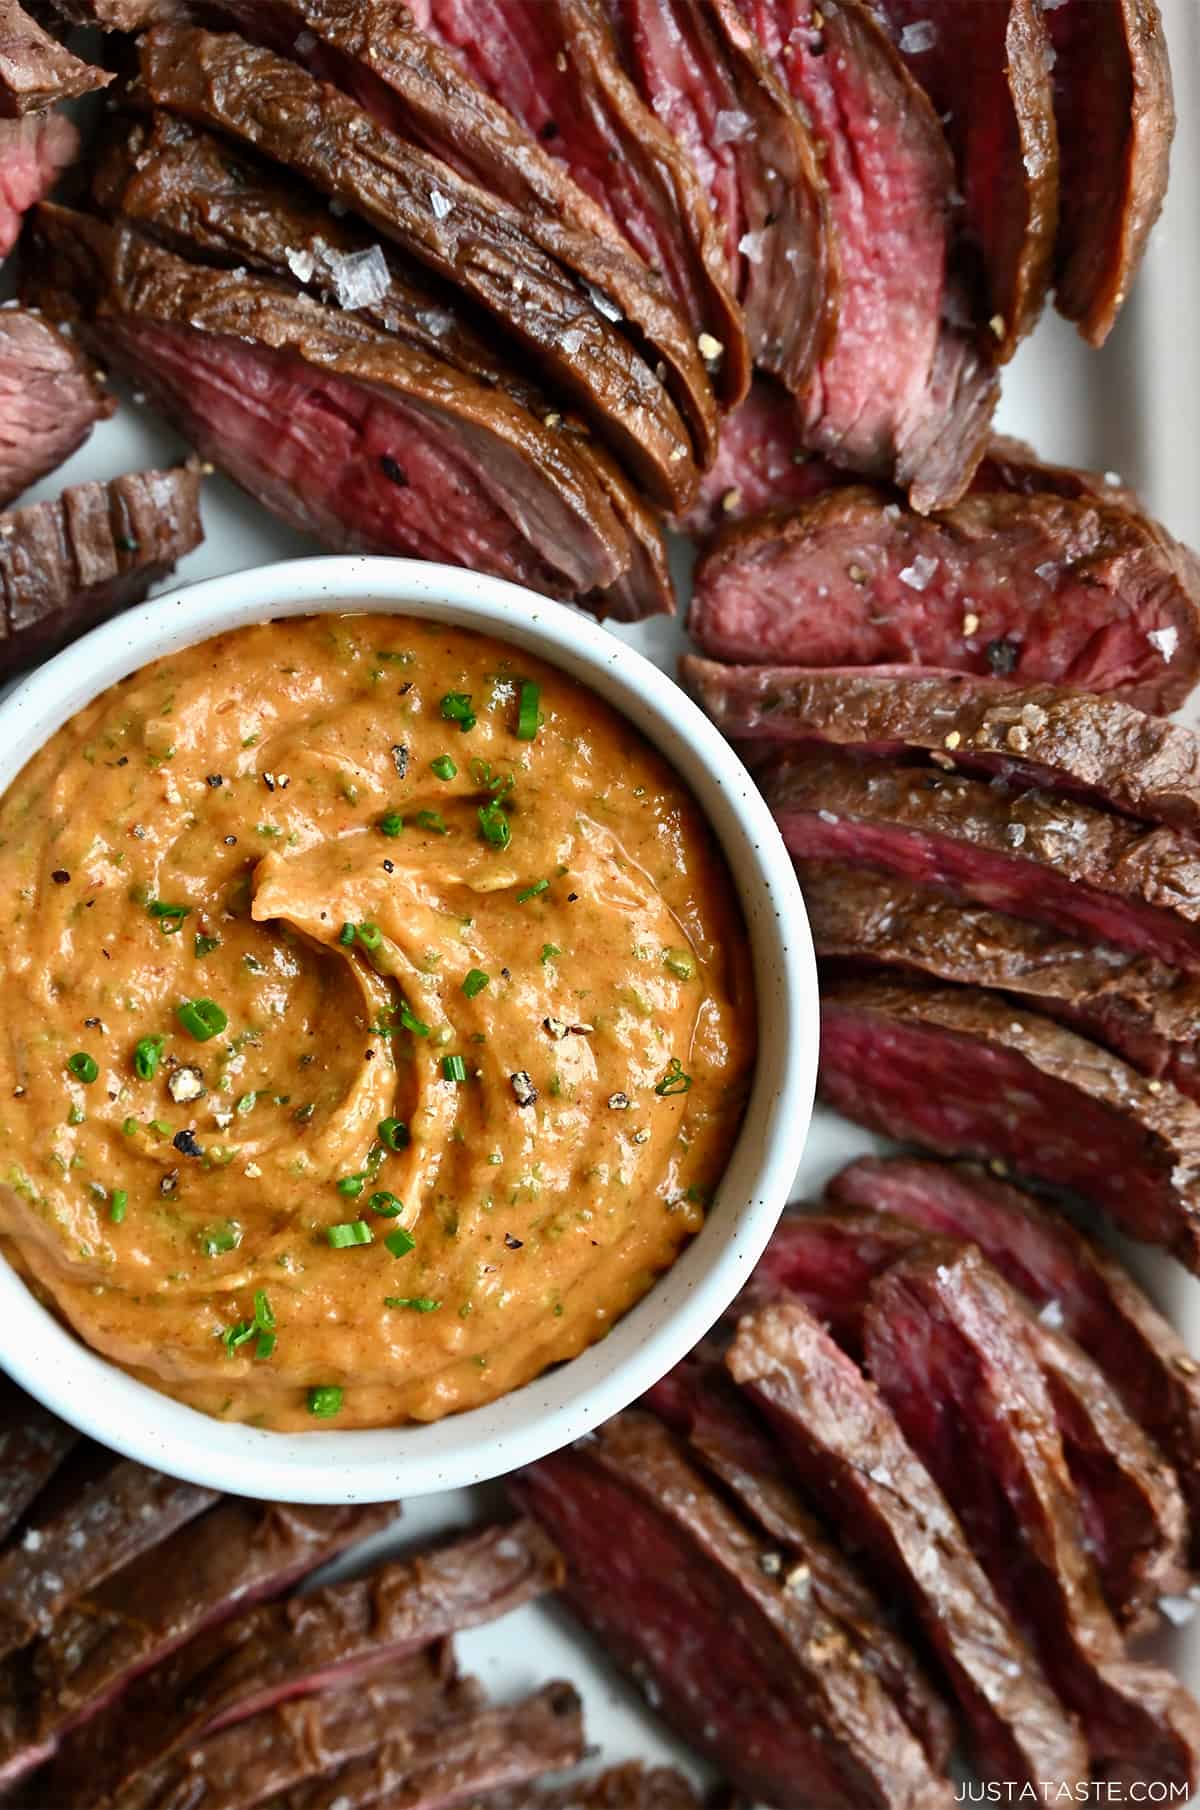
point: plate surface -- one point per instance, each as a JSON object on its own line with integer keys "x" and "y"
{"x": 1134, "y": 408}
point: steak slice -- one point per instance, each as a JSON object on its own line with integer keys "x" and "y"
{"x": 755, "y": 1675}
{"x": 299, "y": 1741}
{"x": 705, "y": 75}
{"x": 1141, "y": 1010}
{"x": 1050, "y": 589}
{"x": 237, "y": 1554}
{"x": 912, "y": 403}
{"x": 1130, "y": 1501}
{"x": 337, "y": 426}
{"x": 33, "y": 1444}
{"x": 453, "y": 1761}
{"x": 968, "y": 1074}
{"x": 845, "y": 1445}
{"x": 629, "y": 1787}
{"x": 1098, "y": 749}
{"x": 1091, "y": 1296}
{"x": 35, "y": 69}
{"x": 336, "y": 1636}
{"x": 119, "y": 15}
{"x": 761, "y": 463}
{"x": 68, "y": 564}
{"x": 986, "y": 70}
{"x": 34, "y": 152}
{"x": 945, "y": 1348}
{"x": 699, "y": 1401}
{"x": 555, "y": 66}
{"x": 1087, "y": 873}
{"x": 1116, "y": 119}
{"x": 97, "y": 1517}
{"x": 485, "y": 245}
{"x": 50, "y": 400}
{"x": 201, "y": 197}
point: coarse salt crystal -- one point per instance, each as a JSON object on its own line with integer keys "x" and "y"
{"x": 360, "y": 278}
{"x": 301, "y": 263}
{"x": 441, "y": 204}
{"x": 602, "y": 303}
{"x": 921, "y": 35}
{"x": 1178, "y": 1610}
{"x": 751, "y": 246}
{"x": 730, "y": 125}
{"x": 571, "y": 342}
{"x": 1052, "y": 1315}
{"x": 436, "y": 321}
{"x": 1047, "y": 571}
{"x": 827, "y": 816}
{"x": 918, "y": 575}
{"x": 32, "y": 1541}
{"x": 1166, "y": 640}
{"x": 305, "y": 41}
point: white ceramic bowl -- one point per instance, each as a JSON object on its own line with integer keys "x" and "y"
{"x": 466, "y": 1448}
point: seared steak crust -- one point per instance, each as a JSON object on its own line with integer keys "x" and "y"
{"x": 1082, "y": 591}
{"x": 968, "y": 1074}
{"x": 33, "y": 1444}
{"x": 35, "y": 69}
{"x": 845, "y": 1444}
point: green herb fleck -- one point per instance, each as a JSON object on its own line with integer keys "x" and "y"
{"x": 326, "y": 1401}
{"x": 85, "y": 1068}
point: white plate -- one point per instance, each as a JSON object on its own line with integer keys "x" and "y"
{"x": 1133, "y": 407}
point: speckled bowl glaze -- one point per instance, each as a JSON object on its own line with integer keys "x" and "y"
{"x": 564, "y": 1403}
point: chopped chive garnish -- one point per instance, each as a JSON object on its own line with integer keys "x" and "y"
{"x": 346, "y": 935}
{"x": 474, "y": 982}
{"x": 369, "y": 935}
{"x": 350, "y": 1184}
{"x": 216, "y": 1239}
{"x": 204, "y": 945}
{"x": 264, "y": 1318}
{"x": 147, "y": 1052}
{"x": 400, "y": 1242}
{"x": 85, "y": 1068}
{"x": 390, "y": 824}
{"x": 238, "y": 1335}
{"x": 265, "y": 1345}
{"x": 385, "y": 1204}
{"x": 351, "y": 1231}
{"x": 120, "y": 1201}
{"x": 680, "y": 962}
{"x": 420, "y": 1304}
{"x": 454, "y": 1068}
{"x": 412, "y": 1023}
{"x": 531, "y": 892}
{"x": 246, "y": 1104}
{"x": 674, "y": 1080}
{"x": 549, "y": 951}
{"x": 494, "y": 826}
{"x": 443, "y": 767}
{"x": 528, "y": 710}
{"x": 326, "y": 1401}
{"x": 129, "y": 1127}
{"x": 456, "y": 708}
{"x": 393, "y": 1133}
{"x": 433, "y": 820}
{"x": 201, "y": 1018}
{"x": 170, "y": 917}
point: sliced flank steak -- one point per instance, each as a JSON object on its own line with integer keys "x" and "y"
{"x": 237, "y": 1554}
{"x": 1088, "y": 873}
{"x": 485, "y": 245}
{"x": 844, "y": 1444}
{"x": 341, "y": 429}
{"x": 120, "y": 15}
{"x": 1116, "y": 119}
{"x": 913, "y": 403}
{"x": 707, "y": 78}
{"x": 1091, "y": 747}
{"x": 33, "y": 1444}
{"x": 1142, "y": 1010}
{"x": 629, "y": 1787}
{"x": 1129, "y": 1498}
{"x": 967, "y": 1073}
{"x": 986, "y": 69}
{"x": 762, "y": 463}
{"x": 1051, "y": 589}
{"x": 50, "y": 400}
{"x": 556, "y": 67}
{"x": 34, "y": 152}
{"x": 755, "y": 1675}
{"x": 35, "y": 69}
{"x": 1077, "y": 1285}
{"x": 200, "y": 197}
{"x": 699, "y": 1400}
{"x": 940, "y": 1347}
{"x": 336, "y": 1636}
{"x": 68, "y": 564}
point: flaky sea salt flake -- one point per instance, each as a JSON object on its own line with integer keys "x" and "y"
{"x": 360, "y": 278}
{"x": 918, "y": 575}
{"x": 920, "y": 35}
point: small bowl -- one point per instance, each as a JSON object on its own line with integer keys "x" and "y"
{"x": 559, "y": 1406}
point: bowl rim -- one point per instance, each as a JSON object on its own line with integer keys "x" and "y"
{"x": 373, "y": 1465}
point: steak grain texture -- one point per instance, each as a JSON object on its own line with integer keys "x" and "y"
{"x": 1116, "y": 119}
{"x": 759, "y": 1677}
{"x": 941, "y": 1346}
{"x": 967, "y": 1074}
{"x": 35, "y": 69}
{"x": 761, "y": 463}
{"x": 845, "y": 1445}
{"x": 1083, "y": 871}
{"x": 1091, "y": 1296}
{"x": 1047, "y": 588}
{"x": 34, "y": 152}
{"x": 33, "y": 1444}
{"x": 50, "y": 400}
{"x": 1095, "y": 748}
